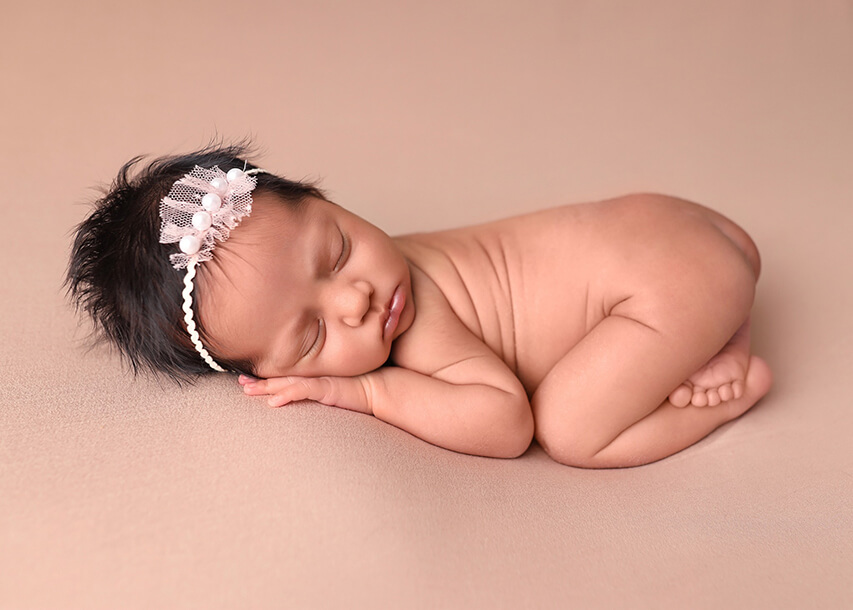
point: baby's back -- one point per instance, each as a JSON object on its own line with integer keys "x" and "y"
{"x": 521, "y": 284}
{"x": 532, "y": 286}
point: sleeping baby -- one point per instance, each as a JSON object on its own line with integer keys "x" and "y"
{"x": 615, "y": 333}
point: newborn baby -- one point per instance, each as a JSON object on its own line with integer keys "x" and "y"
{"x": 616, "y": 333}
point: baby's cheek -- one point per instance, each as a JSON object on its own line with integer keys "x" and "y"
{"x": 357, "y": 362}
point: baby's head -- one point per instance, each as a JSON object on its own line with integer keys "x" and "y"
{"x": 300, "y": 287}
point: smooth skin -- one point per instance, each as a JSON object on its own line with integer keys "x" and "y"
{"x": 616, "y": 332}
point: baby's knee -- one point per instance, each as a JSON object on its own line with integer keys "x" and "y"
{"x": 564, "y": 447}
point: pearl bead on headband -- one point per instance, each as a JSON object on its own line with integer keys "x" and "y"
{"x": 202, "y": 207}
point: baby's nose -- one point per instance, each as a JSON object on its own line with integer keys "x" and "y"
{"x": 352, "y": 302}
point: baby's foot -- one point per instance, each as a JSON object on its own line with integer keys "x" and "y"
{"x": 722, "y": 377}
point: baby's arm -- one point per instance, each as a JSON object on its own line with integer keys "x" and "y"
{"x": 449, "y": 389}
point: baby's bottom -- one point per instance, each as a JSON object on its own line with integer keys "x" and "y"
{"x": 642, "y": 386}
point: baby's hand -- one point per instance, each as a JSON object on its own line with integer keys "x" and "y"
{"x": 344, "y": 392}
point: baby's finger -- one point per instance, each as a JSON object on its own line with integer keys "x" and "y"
{"x": 269, "y": 386}
{"x": 298, "y": 388}
{"x": 255, "y": 389}
{"x": 258, "y": 386}
{"x": 291, "y": 394}
{"x": 278, "y": 400}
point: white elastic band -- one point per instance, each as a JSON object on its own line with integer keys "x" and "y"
{"x": 188, "y": 317}
{"x": 186, "y": 220}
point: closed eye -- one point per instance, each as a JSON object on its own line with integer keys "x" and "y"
{"x": 319, "y": 341}
{"x": 345, "y": 250}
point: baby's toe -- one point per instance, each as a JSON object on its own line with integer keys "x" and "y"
{"x": 681, "y": 396}
{"x": 725, "y": 391}
{"x": 737, "y": 388}
{"x": 700, "y": 398}
{"x": 713, "y": 397}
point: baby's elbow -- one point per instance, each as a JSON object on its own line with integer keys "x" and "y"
{"x": 518, "y": 444}
{"x": 516, "y": 430}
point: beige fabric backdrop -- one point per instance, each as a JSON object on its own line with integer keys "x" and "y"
{"x": 117, "y": 493}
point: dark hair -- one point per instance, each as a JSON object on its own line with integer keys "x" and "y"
{"x": 120, "y": 273}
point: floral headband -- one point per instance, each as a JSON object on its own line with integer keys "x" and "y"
{"x": 202, "y": 207}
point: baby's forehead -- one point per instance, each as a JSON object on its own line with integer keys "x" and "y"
{"x": 271, "y": 212}
{"x": 273, "y": 224}
{"x": 276, "y": 234}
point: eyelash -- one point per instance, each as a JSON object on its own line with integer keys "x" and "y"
{"x": 321, "y": 326}
{"x": 319, "y": 341}
{"x": 344, "y": 253}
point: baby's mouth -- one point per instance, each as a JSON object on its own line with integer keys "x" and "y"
{"x": 394, "y": 309}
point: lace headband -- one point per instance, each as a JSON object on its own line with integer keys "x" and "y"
{"x": 202, "y": 207}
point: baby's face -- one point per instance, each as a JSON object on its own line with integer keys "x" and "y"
{"x": 309, "y": 292}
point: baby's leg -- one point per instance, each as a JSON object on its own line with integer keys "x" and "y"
{"x": 674, "y": 428}
{"x": 605, "y": 403}
{"x": 722, "y": 378}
